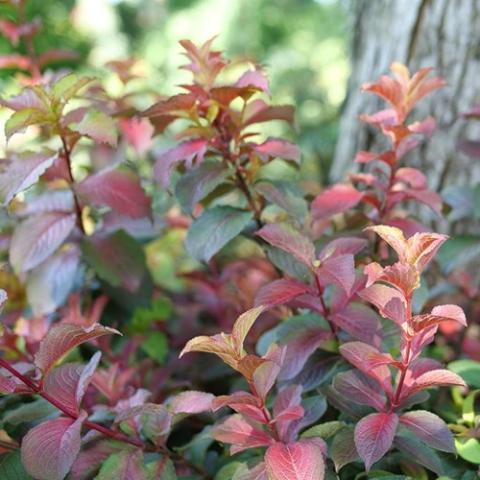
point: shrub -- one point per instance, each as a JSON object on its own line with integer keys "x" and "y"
{"x": 90, "y": 371}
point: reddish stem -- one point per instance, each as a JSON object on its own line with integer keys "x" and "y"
{"x": 326, "y": 310}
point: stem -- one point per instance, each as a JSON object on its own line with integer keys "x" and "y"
{"x": 406, "y": 360}
{"x": 326, "y": 310}
{"x": 242, "y": 184}
{"x": 35, "y": 71}
{"x": 78, "y": 208}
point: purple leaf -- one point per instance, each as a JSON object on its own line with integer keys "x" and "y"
{"x": 429, "y": 428}
{"x": 301, "y": 460}
{"x": 279, "y": 292}
{"x": 286, "y": 238}
{"x": 278, "y": 148}
{"x": 49, "y": 449}
{"x": 119, "y": 190}
{"x": 374, "y": 436}
{"x": 191, "y": 402}
{"x": 336, "y": 199}
{"x": 185, "y": 151}
{"x": 37, "y": 238}
{"x": 22, "y": 171}
{"x": 69, "y": 382}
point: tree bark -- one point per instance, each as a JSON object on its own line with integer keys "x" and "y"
{"x": 443, "y": 34}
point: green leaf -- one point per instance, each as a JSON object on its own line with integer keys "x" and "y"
{"x": 469, "y": 370}
{"x": 68, "y": 86}
{"x": 213, "y": 229}
{"x": 285, "y": 195}
{"x": 126, "y": 465}
{"x": 197, "y": 183}
{"x": 34, "y": 411}
{"x": 161, "y": 469}
{"x": 143, "y": 317}
{"x": 23, "y": 119}
{"x": 343, "y": 449}
{"x": 156, "y": 346}
{"x": 469, "y": 450}
{"x": 98, "y": 126}
{"x": 227, "y": 471}
{"x": 324, "y": 430}
{"x": 458, "y": 251}
{"x": 468, "y": 408}
{"x": 11, "y": 467}
{"x": 117, "y": 259}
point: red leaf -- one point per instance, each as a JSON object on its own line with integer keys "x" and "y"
{"x": 370, "y": 361}
{"x": 374, "y": 436}
{"x": 258, "y": 111}
{"x": 236, "y": 431}
{"x": 289, "y": 240}
{"x": 452, "y": 312}
{"x": 37, "y": 238}
{"x": 359, "y": 321}
{"x": 342, "y": 246}
{"x": 255, "y": 79}
{"x": 275, "y": 147}
{"x": 138, "y": 133}
{"x": 69, "y": 382}
{"x": 279, "y": 292}
{"x": 413, "y": 177}
{"x": 22, "y": 171}
{"x": 62, "y": 338}
{"x": 360, "y": 389}
{"x": 185, "y": 151}
{"x": 7, "y": 385}
{"x": 339, "y": 270}
{"x": 49, "y": 449}
{"x": 118, "y": 190}
{"x": 429, "y": 428}
{"x": 191, "y": 402}
{"x": 435, "y": 378}
{"x": 296, "y": 461}
{"x": 389, "y": 302}
{"x": 336, "y": 199}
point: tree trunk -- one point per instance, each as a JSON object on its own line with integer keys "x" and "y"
{"x": 443, "y": 34}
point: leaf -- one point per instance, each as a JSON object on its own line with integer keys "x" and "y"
{"x": 236, "y": 431}
{"x": 11, "y": 467}
{"x": 125, "y": 465}
{"x": 119, "y": 190}
{"x": 286, "y": 238}
{"x": 360, "y": 389}
{"x": 161, "y": 469}
{"x": 98, "y": 126}
{"x": 429, "y": 428}
{"x": 185, "y": 151}
{"x": 280, "y": 292}
{"x": 343, "y": 449}
{"x": 439, "y": 378}
{"x": 325, "y": 430}
{"x": 296, "y": 461}
{"x": 68, "y": 383}
{"x": 191, "y": 402}
{"x": 199, "y": 182}
{"x": 276, "y": 147}
{"x": 374, "y": 436}
{"x": 117, "y": 258}
{"x": 258, "y": 112}
{"x": 22, "y": 119}
{"x": 242, "y": 326}
{"x": 213, "y": 229}
{"x": 49, "y": 449}
{"x": 285, "y": 195}
{"x": 138, "y": 133}
{"x": 360, "y": 322}
{"x": 254, "y": 78}
{"x": 22, "y": 171}
{"x": 389, "y": 302}
{"x": 35, "y": 239}
{"x": 453, "y": 312}
{"x": 469, "y": 449}
{"x": 334, "y": 200}
{"x": 156, "y": 346}
{"x": 63, "y": 337}
{"x": 68, "y": 86}
{"x": 469, "y": 370}
{"x": 339, "y": 270}
{"x": 419, "y": 453}
{"x": 49, "y": 284}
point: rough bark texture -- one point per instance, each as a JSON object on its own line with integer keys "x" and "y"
{"x": 444, "y": 34}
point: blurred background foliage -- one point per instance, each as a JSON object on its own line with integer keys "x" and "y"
{"x": 302, "y": 43}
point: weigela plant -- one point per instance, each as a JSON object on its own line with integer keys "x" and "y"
{"x": 89, "y": 369}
